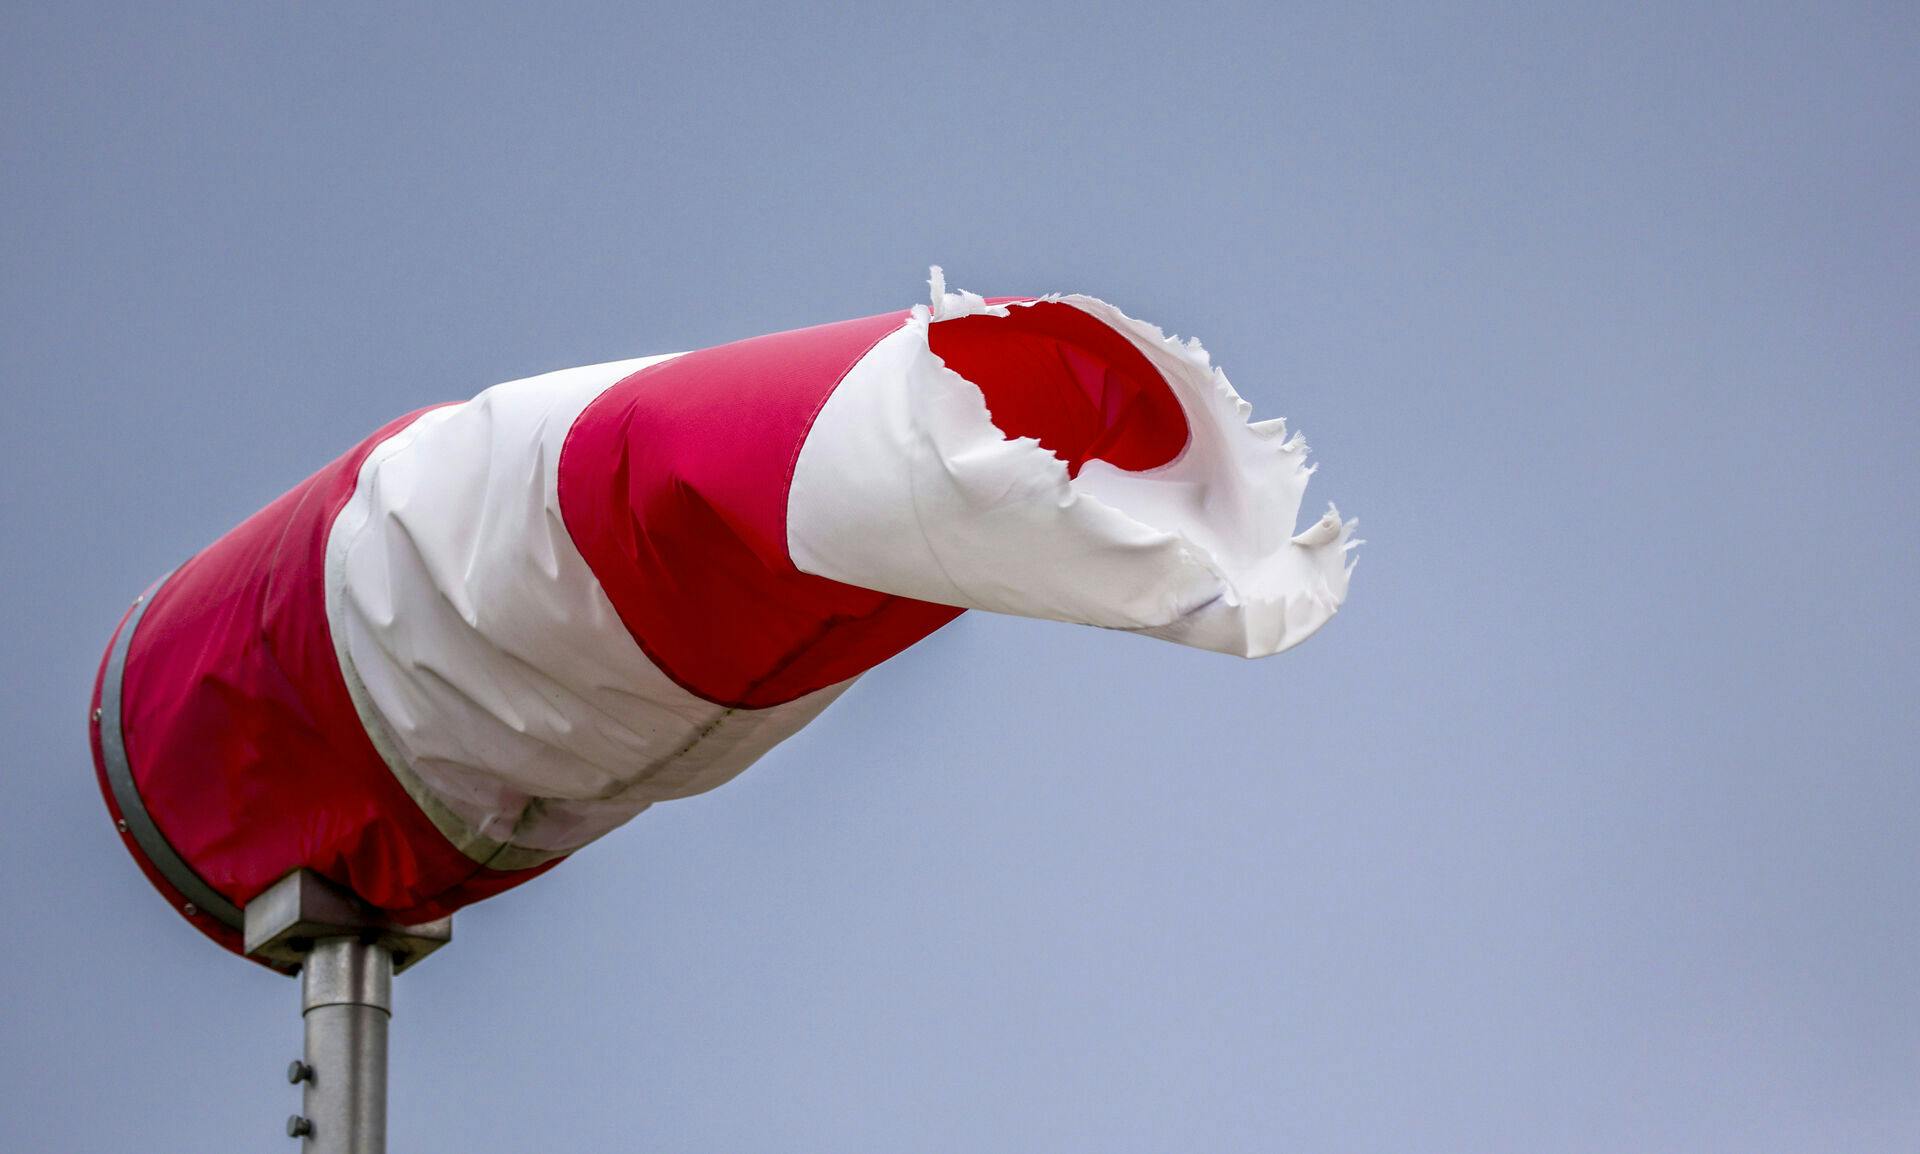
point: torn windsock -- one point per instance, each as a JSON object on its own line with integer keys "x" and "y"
{"x": 498, "y": 629}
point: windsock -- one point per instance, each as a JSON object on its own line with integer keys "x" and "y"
{"x": 495, "y": 630}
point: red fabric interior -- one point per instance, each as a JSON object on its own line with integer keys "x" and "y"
{"x": 1054, "y": 373}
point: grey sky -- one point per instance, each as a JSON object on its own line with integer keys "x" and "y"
{"x": 1588, "y": 826}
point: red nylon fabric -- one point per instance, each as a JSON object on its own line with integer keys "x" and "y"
{"x": 204, "y": 922}
{"x": 243, "y": 741}
{"x": 1053, "y": 372}
{"x": 674, "y": 485}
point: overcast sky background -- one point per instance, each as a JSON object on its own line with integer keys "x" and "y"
{"x": 1589, "y": 825}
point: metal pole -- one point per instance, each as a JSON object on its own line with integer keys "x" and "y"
{"x": 346, "y": 954}
{"x": 346, "y": 999}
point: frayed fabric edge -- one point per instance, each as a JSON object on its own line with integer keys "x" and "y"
{"x": 1238, "y": 615}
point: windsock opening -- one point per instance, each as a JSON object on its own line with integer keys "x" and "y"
{"x": 1052, "y": 372}
{"x": 1054, "y": 457}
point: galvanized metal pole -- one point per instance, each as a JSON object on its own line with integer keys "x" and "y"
{"x": 346, "y": 1000}
{"x": 346, "y": 954}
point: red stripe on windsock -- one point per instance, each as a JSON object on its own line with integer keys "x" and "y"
{"x": 243, "y": 741}
{"x": 674, "y": 486}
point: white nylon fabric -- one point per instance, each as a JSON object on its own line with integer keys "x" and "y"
{"x": 906, "y": 486}
{"x": 485, "y": 659}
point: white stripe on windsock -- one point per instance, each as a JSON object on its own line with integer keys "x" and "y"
{"x": 485, "y": 659}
